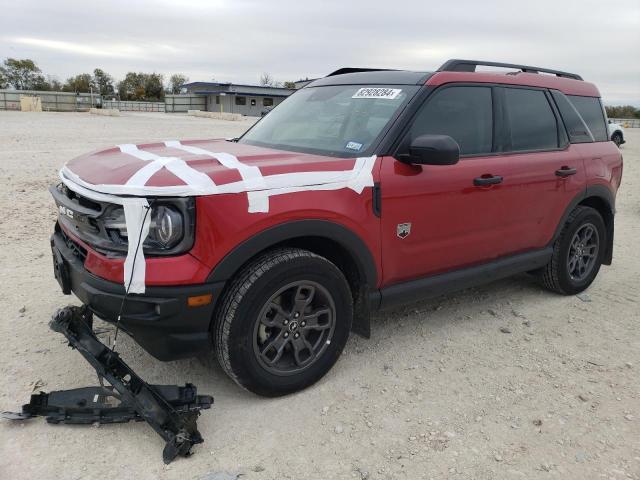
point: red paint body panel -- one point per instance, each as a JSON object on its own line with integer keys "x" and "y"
{"x": 223, "y": 222}
{"x": 112, "y": 167}
{"x": 160, "y": 271}
{"x": 568, "y": 86}
{"x": 456, "y": 224}
{"x": 603, "y": 165}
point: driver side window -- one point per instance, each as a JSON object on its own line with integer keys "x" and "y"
{"x": 463, "y": 113}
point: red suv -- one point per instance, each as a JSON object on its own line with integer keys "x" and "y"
{"x": 365, "y": 189}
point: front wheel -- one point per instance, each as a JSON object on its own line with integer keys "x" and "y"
{"x": 284, "y": 322}
{"x": 577, "y": 253}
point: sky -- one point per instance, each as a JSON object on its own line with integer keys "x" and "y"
{"x": 237, "y": 40}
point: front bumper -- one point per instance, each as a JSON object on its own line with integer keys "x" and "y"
{"x": 159, "y": 320}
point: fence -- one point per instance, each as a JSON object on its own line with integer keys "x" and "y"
{"x": 51, "y": 101}
{"x": 183, "y": 103}
{"x": 130, "y": 106}
{"x": 627, "y": 122}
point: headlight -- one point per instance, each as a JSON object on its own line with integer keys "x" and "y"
{"x": 170, "y": 230}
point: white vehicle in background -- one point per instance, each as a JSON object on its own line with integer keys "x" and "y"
{"x": 616, "y": 133}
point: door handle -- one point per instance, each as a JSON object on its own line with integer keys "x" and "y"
{"x": 487, "y": 180}
{"x": 566, "y": 171}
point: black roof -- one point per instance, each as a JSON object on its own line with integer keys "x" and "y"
{"x": 457, "y": 65}
{"x": 364, "y": 76}
{"x": 379, "y": 76}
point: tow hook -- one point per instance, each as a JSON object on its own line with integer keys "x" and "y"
{"x": 171, "y": 410}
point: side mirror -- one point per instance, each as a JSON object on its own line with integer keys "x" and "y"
{"x": 432, "y": 150}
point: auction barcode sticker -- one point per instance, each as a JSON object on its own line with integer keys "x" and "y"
{"x": 375, "y": 92}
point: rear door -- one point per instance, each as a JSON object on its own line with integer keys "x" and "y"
{"x": 546, "y": 172}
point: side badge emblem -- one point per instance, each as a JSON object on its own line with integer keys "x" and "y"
{"x": 403, "y": 230}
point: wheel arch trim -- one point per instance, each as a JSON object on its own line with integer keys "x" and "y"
{"x": 599, "y": 192}
{"x": 292, "y": 230}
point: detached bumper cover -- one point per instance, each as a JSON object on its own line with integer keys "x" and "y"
{"x": 160, "y": 320}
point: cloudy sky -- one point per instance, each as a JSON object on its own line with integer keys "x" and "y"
{"x": 237, "y": 40}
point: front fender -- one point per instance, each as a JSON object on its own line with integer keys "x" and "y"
{"x": 282, "y": 232}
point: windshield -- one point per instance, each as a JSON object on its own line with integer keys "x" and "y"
{"x": 337, "y": 120}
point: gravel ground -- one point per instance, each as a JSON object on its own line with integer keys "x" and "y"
{"x": 504, "y": 381}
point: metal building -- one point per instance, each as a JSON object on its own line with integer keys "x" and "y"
{"x": 233, "y": 98}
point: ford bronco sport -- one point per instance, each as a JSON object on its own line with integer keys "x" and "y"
{"x": 365, "y": 189}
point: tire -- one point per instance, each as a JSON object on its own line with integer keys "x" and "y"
{"x": 558, "y": 275}
{"x": 253, "y": 331}
{"x": 617, "y": 138}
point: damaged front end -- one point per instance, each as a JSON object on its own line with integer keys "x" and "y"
{"x": 171, "y": 410}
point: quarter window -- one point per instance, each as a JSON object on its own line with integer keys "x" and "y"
{"x": 591, "y": 112}
{"x": 576, "y": 128}
{"x": 463, "y": 113}
{"x": 530, "y": 119}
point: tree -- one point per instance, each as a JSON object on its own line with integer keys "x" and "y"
{"x": 176, "y": 81}
{"x": 82, "y": 83}
{"x": 22, "y": 74}
{"x": 131, "y": 87}
{"x": 625, "y": 111}
{"x": 141, "y": 86}
{"x": 153, "y": 87}
{"x": 267, "y": 80}
{"x": 54, "y": 84}
{"x": 102, "y": 82}
{"x": 289, "y": 85}
{"x": 4, "y": 83}
{"x": 41, "y": 83}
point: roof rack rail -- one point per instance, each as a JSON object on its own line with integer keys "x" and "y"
{"x": 456, "y": 65}
{"x": 344, "y": 70}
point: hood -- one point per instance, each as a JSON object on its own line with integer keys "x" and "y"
{"x": 206, "y": 167}
{"x": 154, "y": 166}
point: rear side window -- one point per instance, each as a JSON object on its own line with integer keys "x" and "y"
{"x": 591, "y": 112}
{"x": 576, "y": 128}
{"x": 530, "y": 119}
{"x": 463, "y": 113}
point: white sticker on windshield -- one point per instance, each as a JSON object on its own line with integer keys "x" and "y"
{"x": 377, "y": 92}
{"x": 353, "y": 146}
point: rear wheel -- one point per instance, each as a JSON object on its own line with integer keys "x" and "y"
{"x": 617, "y": 138}
{"x": 577, "y": 253}
{"x": 284, "y": 322}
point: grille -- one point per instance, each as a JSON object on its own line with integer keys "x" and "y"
{"x": 83, "y": 201}
{"x": 76, "y": 248}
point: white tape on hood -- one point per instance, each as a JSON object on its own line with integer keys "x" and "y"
{"x": 250, "y": 174}
{"x": 138, "y": 222}
{"x": 357, "y": 179}
{"x": 252, "y": 180}
{"x": 257, "y": 187}
{"x": 134, "y": 212}
{"x": 196, "y": 180}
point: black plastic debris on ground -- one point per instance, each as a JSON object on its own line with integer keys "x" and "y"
{"x": 171, "y": 410}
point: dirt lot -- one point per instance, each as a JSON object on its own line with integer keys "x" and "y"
{"x": 438, "y": 392}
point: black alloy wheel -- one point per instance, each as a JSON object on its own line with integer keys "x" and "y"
{"x": 295, "y": 327}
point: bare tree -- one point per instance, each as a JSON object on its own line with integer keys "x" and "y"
{"x": 267, "y": 80}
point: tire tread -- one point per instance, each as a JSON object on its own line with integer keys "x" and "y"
{"x": 236, "y": 293}
{"x": 550, "y": 273}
